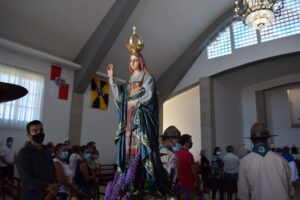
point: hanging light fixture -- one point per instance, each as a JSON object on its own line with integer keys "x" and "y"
{"x": 258, "y": 14}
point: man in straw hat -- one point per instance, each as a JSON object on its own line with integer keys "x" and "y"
{"x": 262, "y": 173}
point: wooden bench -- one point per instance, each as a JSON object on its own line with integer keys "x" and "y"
{"x": 107, "y": 173}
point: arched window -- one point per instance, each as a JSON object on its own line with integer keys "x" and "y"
{"x": 221, "y": 45}
{"x": 285, "y": 25}
{"x": 243, "y": 35}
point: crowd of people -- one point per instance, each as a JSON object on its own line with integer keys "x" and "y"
{"x": 60, "y": 171}
{"x": 244, "y": 175}
{"x": 188, "y": 177}
{"x": 51, "y": 171}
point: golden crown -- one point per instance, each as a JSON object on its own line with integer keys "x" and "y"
{"x": 135, "y": 42}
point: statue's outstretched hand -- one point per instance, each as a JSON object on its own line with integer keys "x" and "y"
{"x": 110, "y": 70}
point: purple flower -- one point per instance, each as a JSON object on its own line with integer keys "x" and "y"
{"x": 121, "y": 182}
{"x": 132, "y": 170}
{"x": 108, "y": 190}
{"x": 117, "y": 188}
{"x": 126, "y": 196}
{"x": 113, "y": 188}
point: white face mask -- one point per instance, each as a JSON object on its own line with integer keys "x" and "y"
{"x": 218, "y": 153}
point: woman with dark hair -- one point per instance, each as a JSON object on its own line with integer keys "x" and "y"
{"x": 139, "y": 165}
{"x": 84, "y": 176}
{"x": 63, "y": 172}
{"x": 95, "y": 164}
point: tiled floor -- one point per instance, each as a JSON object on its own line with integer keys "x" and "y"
{"x": 297, "y": 190}
{"x": 296, "y": 196}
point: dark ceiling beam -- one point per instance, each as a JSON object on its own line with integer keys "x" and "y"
{"x": 95, "y": 50}
{"x": 172, "y": 76}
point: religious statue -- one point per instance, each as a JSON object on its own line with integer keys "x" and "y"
{"x": 140, "y": 170}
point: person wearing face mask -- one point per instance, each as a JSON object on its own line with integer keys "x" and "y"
{"x": 172, "y": 130}
{"x": 189, "y": 180}
{"x": 84, "y": 176}
{"x": 35, "y": 166}
{"x": 64, "y": 173}
{"x": 169, "y": 158}
{"x": 95, "y": 164}
{"x": 7, "y": 158}
{"x": 217, "y": 165}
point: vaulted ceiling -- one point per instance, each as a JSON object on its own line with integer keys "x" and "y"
{"x": 63, "y": 28}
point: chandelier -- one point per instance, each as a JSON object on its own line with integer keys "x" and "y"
{"x": 258, "y": 14}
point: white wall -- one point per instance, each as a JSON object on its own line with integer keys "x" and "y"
{"x": 234, "y": 96}
{"x": 97, "y": 125}
{"x": 183, "y": 111}
{"x": 56, "y": 113}
{"x": 278, "y": 118}
{"x": 228, "y": 109}
{"x": 206, "y": 67}
{"x": 100, "y": 126}
{"x": 235, "y": 108}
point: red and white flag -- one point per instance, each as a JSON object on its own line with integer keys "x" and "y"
{"x": 59, "y": 86}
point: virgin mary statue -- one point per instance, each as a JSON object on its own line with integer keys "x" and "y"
{"x": 140, "y": 171}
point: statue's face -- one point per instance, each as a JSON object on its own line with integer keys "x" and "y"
{"x": 134, "y": 63}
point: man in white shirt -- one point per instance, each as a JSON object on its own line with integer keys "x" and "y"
{"x": 7, "y": 158}
{"x": 231, "y": 169}
{"x": 263, "y": 174}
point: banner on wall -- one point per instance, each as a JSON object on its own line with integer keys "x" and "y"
{"x": 59, "y": 86}
{"x": 99, "y": 96}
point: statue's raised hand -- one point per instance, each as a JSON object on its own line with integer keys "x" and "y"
{"x": 110, "y": 70}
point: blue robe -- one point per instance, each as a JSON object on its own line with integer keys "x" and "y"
{"x": 150, "y": 174}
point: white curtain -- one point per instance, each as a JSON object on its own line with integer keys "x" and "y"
{"x": 17, "y": 113}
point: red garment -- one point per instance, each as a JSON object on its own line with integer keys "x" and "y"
{"x": 185, "y": 174}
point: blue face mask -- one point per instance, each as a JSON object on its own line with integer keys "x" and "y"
{"x": 164, "y": 146}
{"x": 64, "y": 155}
{"x": 176, "y": 147}
{"x": 88, "y": 156}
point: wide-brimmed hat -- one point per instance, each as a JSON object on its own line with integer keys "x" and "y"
{"x": 171, "y": 132}
{"x": 169, "y": 135}
{"x": 9, "y": 92}
{"x": 259, "y": 130}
